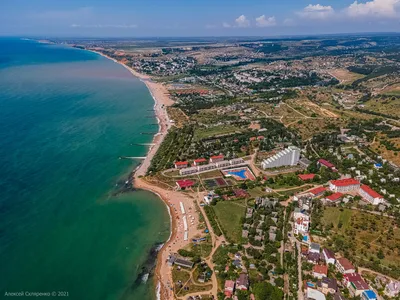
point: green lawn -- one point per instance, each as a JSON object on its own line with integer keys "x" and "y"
{"x": 201, "y": 133}
{"x": 334, "y": 215}
{"x": 229, "y": 214}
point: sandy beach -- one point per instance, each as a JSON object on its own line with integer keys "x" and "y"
{"x": 171, "y": 197}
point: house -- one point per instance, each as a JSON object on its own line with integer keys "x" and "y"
{"x": 348, "y": 278}
{"x": 306, "y": 177}
{"x": 313, "y": 257}
{"x": 344, "y": 185}
{"x": 216, "y": 158}
{"x": 315, "y": 248}
{"x": 327, "y": 285}
{"x": 242, "y": 283}
{"x": 344, "y": 266}
{"x": 229, "y": 288}
{"x": 181, "y": 164}
{"x": 392, "y": 289}
{"x": 245, "y": 233}
{"x": 329, "y": 256}
{"x": 324, "y": 163}
{"x": 369, "y": 295}
{"x": 184, "y": 184}
{"x": 223, "y": 164}
{"x": 320, "y": 271}
{"x": 313, "y": 294}
{"x": 356, "y": 288}
{"x": 199, "y": 161}
{"x": 334, "y": 198}
{"x": 206, "y": 167}
{"x": 304, "y": 162}
{"x": 301, "y": 225}
{"x": 188, "y": 171}
{"x": 317, "y": 191}
{"x": 304, "y": 200}
{"x": 183, "y": 263}
{"x": 370, "y": 195}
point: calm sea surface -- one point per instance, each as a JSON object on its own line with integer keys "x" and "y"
{"x": 66, "y": 115}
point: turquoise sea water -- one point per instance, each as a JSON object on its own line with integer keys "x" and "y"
{"x": 66, "y": 115}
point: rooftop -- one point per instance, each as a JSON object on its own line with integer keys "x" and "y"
{"x": 306, "y": 176}
{"x": 334, "y": 197}
{"x": 370, "y": 191}
{"x": 326, "y": 163}
{"x": 184, "y": 183}
{"x": 317, "y": 190}
{"x": 345, "y": 263}
{"x": 345, "y": 182}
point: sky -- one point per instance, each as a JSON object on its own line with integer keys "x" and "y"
{"x": 160, "y": 18}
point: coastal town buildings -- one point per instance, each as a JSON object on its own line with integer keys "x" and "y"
{"x": 344, "y": 185}
{"x": 344, "y": 266}
{"x": 370, "y": 195}
{"x": 287, "y": 157}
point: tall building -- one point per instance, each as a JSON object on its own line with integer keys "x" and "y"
{"x": 287, "y": 157}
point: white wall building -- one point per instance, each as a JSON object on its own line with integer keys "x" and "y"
{"x": 287, "y": 157}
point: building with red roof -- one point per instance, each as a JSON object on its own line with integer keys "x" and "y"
{"x": 216, "y": 158}
{"x": 324, "y": 163}
{"x": 200, "y": 161}
{"x": 181, "y": 164}
{"x": 370, "y": 195}
{"x": 305, "y": 177}
{"x": 184, "y": 183}
{"x": 334, "y": 197}
{"x": 317, "y": 191}
{"x": 229, "y": 288}
{"x": 344, "y": 185}
{"x": 260, "y": 137}
{"x": 320, "y": 271}
{"x": 253, "y": 139}
{"x": 344, "y": 266}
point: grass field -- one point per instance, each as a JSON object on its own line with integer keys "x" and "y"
{"x": 365, "y": 235}
{"x": 202, "y": 133}
{"x": 385, "y": 106}
{"x": 229, "y": 214}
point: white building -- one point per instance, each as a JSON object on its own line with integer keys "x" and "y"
{"x": 286, "y": 157}
{"x": 344, "y": 185}
{"x": 370, "y": 195}
{"x": 188, "y": 171}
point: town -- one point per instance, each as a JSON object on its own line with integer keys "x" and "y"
{"x": 282, "y": 157}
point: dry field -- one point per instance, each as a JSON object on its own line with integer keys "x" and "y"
{"x": 345, "y": 76}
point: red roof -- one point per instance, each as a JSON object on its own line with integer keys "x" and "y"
{"x": 184, "y": 183}
{"x": 217, "y": 156}
{"x": 260, "y": 137}
{"x": 181, "y": 163}
{"x": 352, "y": 277}
{"x": 345, "y": 182}
{"x": 326, "y": 163}
{"x": 229, "y": 284}
{"x": 320, "y": 269}
{"x": 334, "y": 197}
{"x": 345, "y": 263}
{"x": 306, "y": 176}
{"x": 199, "y": 160}
{"x": 370, "y": 191}
{"x": 253, "y": 138}
{"x": 317, "y": 191}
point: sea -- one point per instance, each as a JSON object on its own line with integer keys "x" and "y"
{"x": 70, "y": 226}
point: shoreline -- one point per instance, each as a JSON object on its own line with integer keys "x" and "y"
{"x": 161, "y": 99}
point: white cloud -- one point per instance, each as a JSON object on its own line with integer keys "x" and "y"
{"x": 242, "y": 21}
{"x": 289, "y": 22}
{"x": 226, "y": 25}
{"x": 262, "y": 21}
{"x": 374, "y": 8}
{"x": 317, "y": 11}
{"x": 105, "y": 26}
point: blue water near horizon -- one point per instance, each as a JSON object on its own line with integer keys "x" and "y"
{"x": 66, "y": 115}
